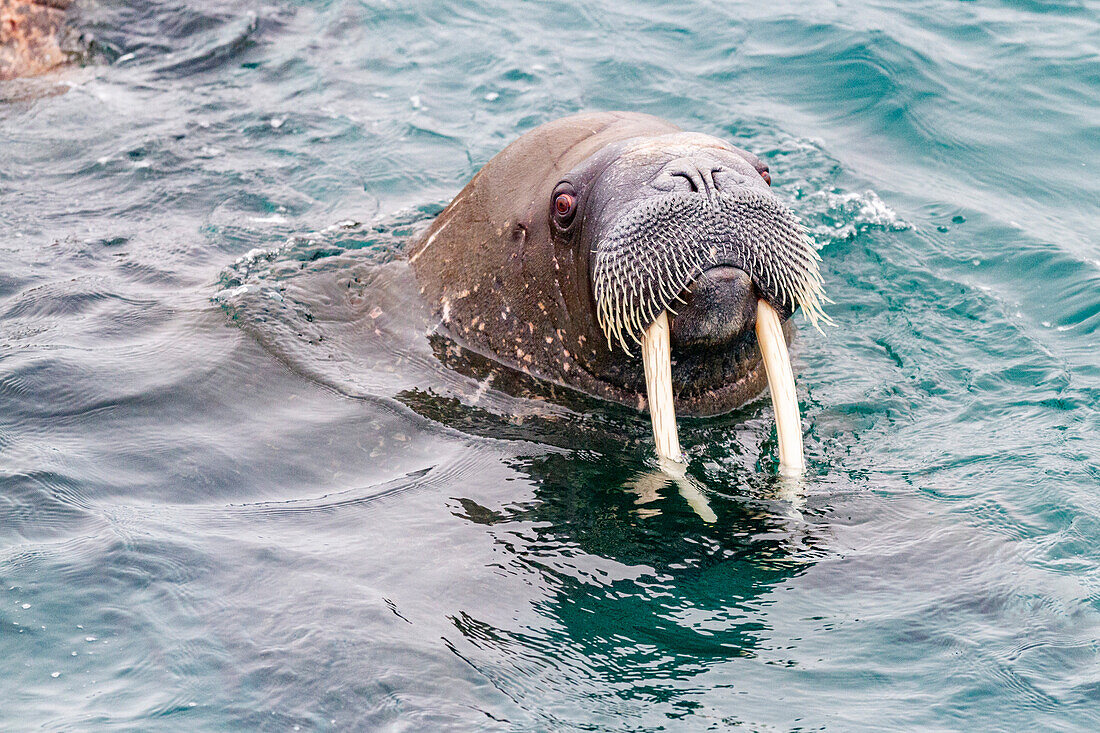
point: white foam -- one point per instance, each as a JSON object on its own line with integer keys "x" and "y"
{"x": 852, "y": 211}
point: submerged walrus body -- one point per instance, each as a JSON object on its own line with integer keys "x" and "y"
{"x": 587, "y": 231}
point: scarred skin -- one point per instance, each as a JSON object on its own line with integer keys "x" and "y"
{"x": 30, "y": 33}
{"x": 508, "y": 284}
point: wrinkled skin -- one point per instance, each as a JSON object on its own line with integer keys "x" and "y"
{"x": 511, "y": 277}
{"x": 30, "y": 32}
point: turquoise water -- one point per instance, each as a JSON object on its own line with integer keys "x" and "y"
{"x": 232, "y": 499}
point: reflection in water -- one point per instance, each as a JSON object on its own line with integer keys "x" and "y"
{"x": 644, "y": 601}
{"x": 649, "y": 484}
{"x": 646, "y": 579}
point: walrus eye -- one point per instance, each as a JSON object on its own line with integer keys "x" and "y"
{"x": 565, "y": 205}
{"x": 766, "y": 176}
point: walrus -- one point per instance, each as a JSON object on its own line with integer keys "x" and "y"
{"x": 31, "y": 37}
{"x": 600, "y": 236}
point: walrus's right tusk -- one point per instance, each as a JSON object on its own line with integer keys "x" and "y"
{"x": 657, "y": 361}
{"x": 777, "y": 364}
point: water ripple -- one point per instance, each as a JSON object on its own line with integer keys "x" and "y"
{"x": 239, "y": 489}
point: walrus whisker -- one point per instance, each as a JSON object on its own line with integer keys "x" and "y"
{"x": 643, "y": 264}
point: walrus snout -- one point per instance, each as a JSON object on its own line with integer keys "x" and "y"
{"x": 719, "y": 307}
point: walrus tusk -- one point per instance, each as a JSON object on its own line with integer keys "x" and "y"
{"x": 777, "y": 365}
{"x": 657, "y": 360}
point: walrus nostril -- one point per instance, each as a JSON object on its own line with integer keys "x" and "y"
{"x": 712, "y": 174}
{"x": 692, "y": 185}
{"x": 692, "y": 175}
{"x": 719, "y": 307}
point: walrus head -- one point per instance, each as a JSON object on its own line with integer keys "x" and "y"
{"x": 688, "y": 223}
{"x": 572, "y": 241}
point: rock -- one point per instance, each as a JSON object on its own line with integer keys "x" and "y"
{"x": 30, "y": 36}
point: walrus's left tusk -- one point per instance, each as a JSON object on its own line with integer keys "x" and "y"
{"x": 657, "y": 360}
{"x": 777, "y": 364}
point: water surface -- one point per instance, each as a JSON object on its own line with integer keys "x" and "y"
{"x": 231, "y": 497}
